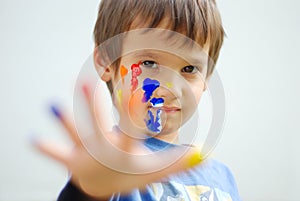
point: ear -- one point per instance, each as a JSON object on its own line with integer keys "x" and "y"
{"x": 103, "y": 69}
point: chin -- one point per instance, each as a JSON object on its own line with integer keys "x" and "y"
{"x": 169, "y": 129}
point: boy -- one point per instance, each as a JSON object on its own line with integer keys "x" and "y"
{"x": 155, "y": 56}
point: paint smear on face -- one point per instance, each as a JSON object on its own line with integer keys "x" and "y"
{"x": 169, "y": 84}
{"x": 136, "y": 71}
{"x": 123, "y": 72}
{"x": 149, "y": 87}
{"x": 119, "y": 96}
{"x": 157, "y": 102}
{"x": 154, "y": 124}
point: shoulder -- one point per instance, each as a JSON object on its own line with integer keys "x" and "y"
{"x": 215, "y": 168}
{"x": 211, "y": 171}
{"x": 220, "y": 176}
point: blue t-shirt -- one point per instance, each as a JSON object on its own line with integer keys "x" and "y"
{"x": 209, "y": 181}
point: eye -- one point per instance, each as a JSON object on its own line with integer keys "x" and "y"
{"x": 149, "y": 64}
{"x": 189, "y": 69}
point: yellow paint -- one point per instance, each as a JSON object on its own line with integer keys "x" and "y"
{"x": 119, "y": 96}
{"x": 169, "y": 84}
{"x": 195, "y": 159}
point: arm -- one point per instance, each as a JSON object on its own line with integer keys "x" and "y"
{"x": 73, "y": 193}
{"x": 87, "y": 160}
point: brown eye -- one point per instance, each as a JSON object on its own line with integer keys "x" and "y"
{"x": 189, "y": 69}
{"x": 149, "y": 64}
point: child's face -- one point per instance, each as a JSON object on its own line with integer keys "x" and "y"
{"x": 158, "y": 88}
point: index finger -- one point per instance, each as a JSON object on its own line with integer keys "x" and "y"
{"x": 68, "y": 124}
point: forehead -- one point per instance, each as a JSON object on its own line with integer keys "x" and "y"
{"x": 153, "y": 41}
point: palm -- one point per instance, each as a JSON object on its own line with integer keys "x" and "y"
{"x": 101, "y": 169}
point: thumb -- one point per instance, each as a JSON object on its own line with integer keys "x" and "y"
{"x": 172, "y": 160}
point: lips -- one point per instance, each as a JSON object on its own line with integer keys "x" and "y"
{"x": 168, "y": 109}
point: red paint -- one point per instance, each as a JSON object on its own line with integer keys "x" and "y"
{"x": 136, "y": 71}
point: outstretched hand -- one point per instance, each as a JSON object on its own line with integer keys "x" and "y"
{"x": 111, "y": 161}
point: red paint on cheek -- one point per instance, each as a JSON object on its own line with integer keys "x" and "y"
{"x": 136, "y": 71}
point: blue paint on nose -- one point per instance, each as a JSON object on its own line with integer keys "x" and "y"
{"x": 157, "y": 102}
{"x": 149, "y": 87}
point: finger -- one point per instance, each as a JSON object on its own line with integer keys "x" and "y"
{"x": 104, "y": 107}
{"x": 100, "y": 106}
{"x": 68, "y": 125}
{"x": 170, "y": 161}
{"x": 91, "y": 105}
{"x": 103, "y": 122}
{"x": 53, "y": 150}
{"x": 156, "y": 169}
{"x": 141, "y": 162}
{"x": 189, "y": 160}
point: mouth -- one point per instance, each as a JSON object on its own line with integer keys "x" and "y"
{"x": 167, "y": 109}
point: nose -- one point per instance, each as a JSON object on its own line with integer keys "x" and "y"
{"x": 167, "y": 91}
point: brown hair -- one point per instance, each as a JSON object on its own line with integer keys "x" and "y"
{"x": 197, "y": 19}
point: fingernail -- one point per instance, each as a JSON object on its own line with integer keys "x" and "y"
{"x": 33, "y": 139}
{"x": 55, "y": 111}
{"x": 195, "y": 159}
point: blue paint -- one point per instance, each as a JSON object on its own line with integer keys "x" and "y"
{"x": 149, "y": 87}
{"x": 157, "y": 102}
{"x": 56, "y": 111}
{"x": 154, "y": 125}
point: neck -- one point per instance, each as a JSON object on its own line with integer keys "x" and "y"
{"x": 170, "y": 138}
{"x": 139, "y": 133}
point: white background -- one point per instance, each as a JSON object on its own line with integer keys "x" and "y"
{"x": 43, "y": 45}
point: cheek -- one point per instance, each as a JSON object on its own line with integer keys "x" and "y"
{"x": 198, "y": 94}
{"x": 197, "y": 90}
{"x": 137, "y": 110}
{"x": 192, "y": 99}
{"x": 135, "y": 103}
